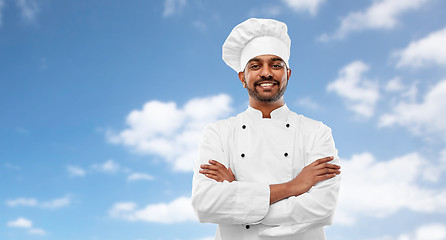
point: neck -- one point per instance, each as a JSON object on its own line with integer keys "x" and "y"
{"x": 265, "y": 107}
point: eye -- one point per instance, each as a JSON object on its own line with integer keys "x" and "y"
{"x": 254, "y": 66}
{"x": 277, "y": 66}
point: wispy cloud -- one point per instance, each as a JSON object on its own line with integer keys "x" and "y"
{"x": 382, "y": 14}
{"x": 432, "y": 231}
{"x": 170, "y": 132}
{"x": 32, "y": 202}
{"x": 75, "y": 171}
{"x": 29, "y": 202}
{"x": 37, "y": 231}
{"x": 309, "y": 103}
{"x": 56, "y": 203}
{"x": 394, "y": 85}
{"x": 139, "y": 177}
{"x": 172, "y": 7}
{"x": 360, "y": 94}
{"x": 12, "y": 166}
{"x": 207, "y": 238}
{"x": 2, "y": 4}
{"x": 200, "y": 25}
{"x": 27, "y": 224}
{"x": 266, "y": 11}
{"x": 29, "y": 9}
{"x": 179, "y": 210}
{"x": 20, "y": 223}
{"x": 381, "y": 188}
{"x": 310, "y": 6}
{"x": 428, "y": 51}
{"x": 109, "y": 166}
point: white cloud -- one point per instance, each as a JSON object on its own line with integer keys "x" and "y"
{"x": 424, "y": 118}
{"x": 359, "y": 94}
{"x": 381, "y": 188}
{"x": 394, "y": 85}
{"x": 310, "y": 6}
{"x": 382, "y": 14}
{"x": 32, "y": 202}
{"x": 202, "y": 26}
{"x": 56, "y": 203}
{"x": 75, "y": 171}
{"x": 433, "y": 231}
{"x": 309, "y": 103}
{"x": 427, "y": 51}
{"x": 29, "y": 9}
{"x": 37, "y": 231}
{"x": 108, "y": 166}
{"x": 20, "y": 223}
{"x": 170, "y": 132}
{"x": 25, "y": 223}
{"x": 139, "y": 176}
{"x": 179, "y": 210}
{"x": 172, "y": 7}
{"x": 12, "y": 166}
{"x": 266, "y": 11}
{"x": 207, "y": 238}
{"x": 436, "y": 231}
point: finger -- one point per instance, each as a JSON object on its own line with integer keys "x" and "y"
{"x": 325, "y": 177}
{"x": 334, "y": 166}
{"x": 208, "y": 172}
{"x": 215, "y": 177}
{"x": 205, "y": 166}
{"x": 323, "y": 160}
{"x": 327, "y": 165}
{"x": 326, "y": 171}
{"x": 217, "y": 168}
{"x": 216, "y": 163}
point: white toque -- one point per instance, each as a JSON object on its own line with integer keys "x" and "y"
{"x": 255, "y": 37}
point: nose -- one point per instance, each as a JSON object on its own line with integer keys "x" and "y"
{"x": 266, "y": 72}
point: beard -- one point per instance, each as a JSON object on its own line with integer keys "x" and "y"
{"x": 266, "y": 99}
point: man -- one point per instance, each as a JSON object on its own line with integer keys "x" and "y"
{"x": 267, "y": 173}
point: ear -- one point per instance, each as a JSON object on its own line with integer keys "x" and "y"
{"x": 241, "y": 76}
{"x": 288, "y": 71}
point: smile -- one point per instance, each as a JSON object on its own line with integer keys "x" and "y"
{"x": 266, "y": 83}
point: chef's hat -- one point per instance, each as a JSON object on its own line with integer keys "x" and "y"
{"x": 255, "y": 37}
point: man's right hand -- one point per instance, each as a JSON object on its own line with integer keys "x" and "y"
{"x": 310, "y": 175}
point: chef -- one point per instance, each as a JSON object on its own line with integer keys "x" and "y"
{"x": 267, "y": 173}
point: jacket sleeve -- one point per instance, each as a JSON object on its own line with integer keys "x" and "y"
{"x": 225, "y": 203}
{"x": 314, "y": 208}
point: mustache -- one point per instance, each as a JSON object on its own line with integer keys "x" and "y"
{"x": 266, "y": 79}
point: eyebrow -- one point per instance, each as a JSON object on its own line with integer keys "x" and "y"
{"x": 272, "y": 59}
{"x": 277, "y": 59}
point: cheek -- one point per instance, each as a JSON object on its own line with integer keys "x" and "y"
{"x": 249, "y": 78}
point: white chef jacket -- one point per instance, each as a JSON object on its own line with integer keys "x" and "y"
{"x": 264, "y": 151}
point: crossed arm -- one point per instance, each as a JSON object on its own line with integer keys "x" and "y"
{"x": 310, "y": 175}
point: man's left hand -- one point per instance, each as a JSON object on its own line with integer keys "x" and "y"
{"x": 217, "y": 171}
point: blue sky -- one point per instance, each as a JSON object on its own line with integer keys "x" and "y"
{"x": 102, "y": 104}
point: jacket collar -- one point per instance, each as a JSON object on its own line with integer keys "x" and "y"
{"x": 280, "y": 113}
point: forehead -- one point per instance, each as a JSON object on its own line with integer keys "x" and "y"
{"x": 265, "y": 58}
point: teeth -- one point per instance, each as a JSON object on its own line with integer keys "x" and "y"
{"x": 266, "y": 84}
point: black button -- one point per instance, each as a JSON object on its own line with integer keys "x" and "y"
{"x": 247, "y": 226}
{"x": 244, "y": 126}
{"x": 287, "y": 125}
{"x": 243, "y": 155}
{"x": 285, "y": 154}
